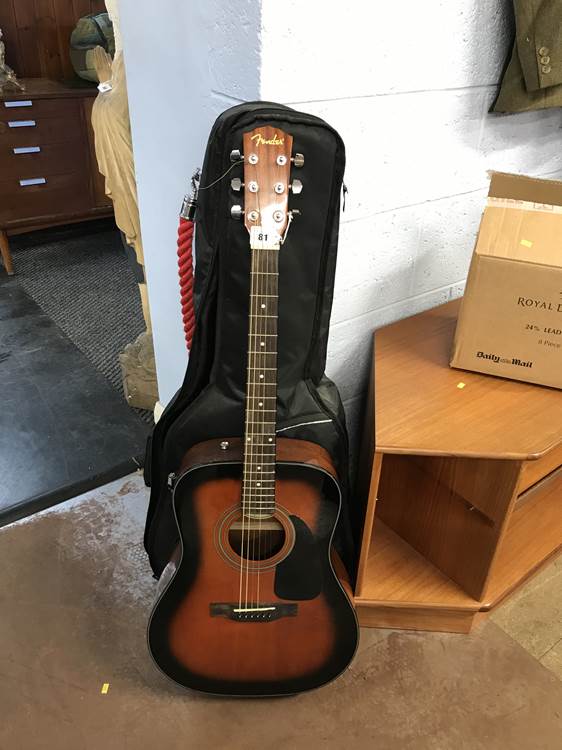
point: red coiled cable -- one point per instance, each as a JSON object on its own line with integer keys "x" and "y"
{"x": 185, "y": 270}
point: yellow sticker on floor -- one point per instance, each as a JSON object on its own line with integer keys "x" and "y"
{"x": 105, "y": 688}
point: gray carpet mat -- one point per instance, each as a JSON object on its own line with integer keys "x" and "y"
{"x": 81, "y": 278}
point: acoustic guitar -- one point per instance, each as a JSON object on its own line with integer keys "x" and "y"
{"x": 254, "y": 607}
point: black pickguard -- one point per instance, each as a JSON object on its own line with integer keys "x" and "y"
{"x": 290, "y": 583}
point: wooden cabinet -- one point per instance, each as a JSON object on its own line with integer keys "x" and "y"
{"x": 461, "y": 482}
{"x": 37, "y": 34}
{"x": 48, "y": 170}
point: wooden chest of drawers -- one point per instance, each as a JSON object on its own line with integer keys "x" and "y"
{"x": 48, "y": 169}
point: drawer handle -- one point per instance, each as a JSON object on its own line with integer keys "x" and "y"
{"x": 21, "y": 123}
{"x": 22, "y": 103}
{"x": 34, "y": 181}
{"x": 27, "y": 150}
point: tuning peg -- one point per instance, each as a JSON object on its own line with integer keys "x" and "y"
{"x": 236, "y": 184}
{"x": 236, "y": 212}
{"x": 298, "y": 160}
{"x": 236, "y": 155}
{"x": 296, "y": 187}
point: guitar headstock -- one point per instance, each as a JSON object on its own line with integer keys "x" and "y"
{"x": 267, "y": 169}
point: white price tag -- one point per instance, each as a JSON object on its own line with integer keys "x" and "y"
{"x": 104, "y": 87}
{"x": 264, "y": 239}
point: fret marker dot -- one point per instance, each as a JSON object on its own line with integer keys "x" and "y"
{"x": 270, "y": 440}
{"x": 249, "y": 440}
{"x": 260, "y": 403}
{"x": 261, "y": 375}
{"x": 262, "y": 343}
{"x": 258, "y": 484}
{"x": 263, "y": 307}
{"x": 259, "y": 468}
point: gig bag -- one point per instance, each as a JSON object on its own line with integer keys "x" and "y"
{"x": 210, "y": 403}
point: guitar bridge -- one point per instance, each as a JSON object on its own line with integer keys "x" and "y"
{"x": 253, "y": 612}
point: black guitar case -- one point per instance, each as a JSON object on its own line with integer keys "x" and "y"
{"x": 210, "y": 403}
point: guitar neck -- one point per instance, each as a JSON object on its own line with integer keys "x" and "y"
{"x": 258, "y": 494}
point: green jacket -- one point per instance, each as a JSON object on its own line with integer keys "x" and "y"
{"x": 533, "y": 77}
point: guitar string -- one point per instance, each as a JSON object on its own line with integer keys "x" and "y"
{"x": 254, "y": 323}
{"x": 270, "y": 284}
{"x": 263, "y": 255}
{"x": 248, "y": 447}
{"x": 259, "y": 447}
{"x": 250, "y": 439}
{"x": 245, "y": 449}
{"x": 268, "y": 290}
{"x": 260, "y": 319}
{"x": 252, "y": 392}
{"x": 262, "y": 322}
{"x": 262, "y": 399}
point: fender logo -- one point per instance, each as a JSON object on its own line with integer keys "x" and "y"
{"x": 260, "y": 140}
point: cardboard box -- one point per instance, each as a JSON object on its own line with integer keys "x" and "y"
{"x": 510, "y": 321}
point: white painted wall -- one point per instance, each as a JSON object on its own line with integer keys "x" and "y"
{"x": 184, "y": 66}
{"x": 408, "y": 85}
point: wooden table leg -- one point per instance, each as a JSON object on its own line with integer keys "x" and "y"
{"x": 6, "y": 254}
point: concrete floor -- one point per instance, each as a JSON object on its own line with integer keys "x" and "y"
{"x": 75, "y": 592}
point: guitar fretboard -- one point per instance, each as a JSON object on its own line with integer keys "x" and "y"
{"x": 258, "y": 493}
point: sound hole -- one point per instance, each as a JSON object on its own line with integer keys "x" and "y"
{"x": 256, "y": 539}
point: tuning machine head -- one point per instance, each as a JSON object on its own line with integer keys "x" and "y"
{"x": 236, "y": 155}
{"x": 298, "y": 160}
{"x": 236, "y": 184}
{"x": 296, "y": 187}
{"x": 237, "y": 212}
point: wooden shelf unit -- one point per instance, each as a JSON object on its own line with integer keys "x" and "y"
{"x": 461, "y": 482}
